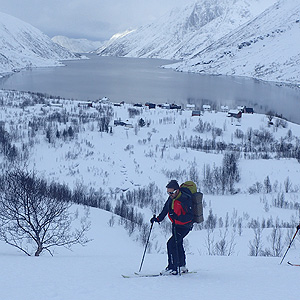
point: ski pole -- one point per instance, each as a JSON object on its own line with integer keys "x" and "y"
{"x": 146, "y": 245}
{"x": 177, "y": 252}
{"x": 289, "y": 245}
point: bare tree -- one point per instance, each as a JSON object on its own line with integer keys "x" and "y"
{"x": 267, "y": 185}
{"x": 276, "y": 241}
{"x": 225, "y": 246}
{"x": 255, "y": 245}
{"x": 287, "y": 185}
{"x": 33, "y": 219}
{"x": 210, "y": 225}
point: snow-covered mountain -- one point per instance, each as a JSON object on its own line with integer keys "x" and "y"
{"x": 186, "y": 30}
{"x": 267, "y": 47}
{"x": 23, "y": 46}
{"x": 77, "y": 45}
{"x": 229, "y": 37}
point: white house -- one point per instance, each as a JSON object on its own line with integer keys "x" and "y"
{"x": 165, "y": 106}
{"x": 190, "y": 107}
{"x": 206, "y": 107}
{"x": 105, "y": 100}
{"x": 224, "y": 108}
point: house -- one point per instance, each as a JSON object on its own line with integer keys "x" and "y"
{"x": 85, "y": 104}
{"x": 175, "y": 106}
{"x": 206, "y": 107}
{"x": 224, "y": 108}
{"x": 121, "y": 123}
{"x": 190, "y": 107}
{"x": 165, "y": 105}
{"x": 234, "y": 113}
{"x": 105, "y": 100}
{"x": 248, "y": 110}
{"x": 58, "y": 105}
{"x": 150, "y": 105}
{"x": 241, "y": 107}
{"x": 138, "y": 104}
{"x": 196, "y": 113}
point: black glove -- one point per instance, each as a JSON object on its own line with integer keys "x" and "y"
{"x": 298, "y": 227}
{"x": 153, "y": 219}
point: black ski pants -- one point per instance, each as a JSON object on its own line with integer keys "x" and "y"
{"x": 176, "y": 253}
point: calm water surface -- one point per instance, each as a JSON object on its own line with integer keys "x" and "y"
{"x": 142, "y": 80}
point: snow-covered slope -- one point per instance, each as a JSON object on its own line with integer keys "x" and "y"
{"x": 186, "y": 30}
{"x": 268, "y": 47}
{"x": 22, "y": 46}
{"x": 77, "y": 45}
{"x": 94, "y": 272}
{"x": 129, "y": 159}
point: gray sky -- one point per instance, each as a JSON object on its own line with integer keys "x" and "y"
{"x": 91, "y": 19}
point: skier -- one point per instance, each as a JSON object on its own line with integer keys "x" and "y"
{"x": 179, "y": 209}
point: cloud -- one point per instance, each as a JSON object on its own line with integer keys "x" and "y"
{"x": 92, "y": 19}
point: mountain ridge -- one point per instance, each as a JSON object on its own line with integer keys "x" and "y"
{"x": 264, "y": 48}
{"x": 186, "y": 30}
{"x": 255, "y": 39}
{"x": 24, "y": 46}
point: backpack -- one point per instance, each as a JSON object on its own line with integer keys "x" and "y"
{"x": 197, "y": 201}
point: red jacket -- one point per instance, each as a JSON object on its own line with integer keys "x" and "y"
{"x": 179, "y": 209}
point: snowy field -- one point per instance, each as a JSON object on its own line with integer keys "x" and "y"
{"x": 94, "y": 272}
{"x": 131, "y": 157}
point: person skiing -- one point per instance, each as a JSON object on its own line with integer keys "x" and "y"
{"x": 179, "y": 209}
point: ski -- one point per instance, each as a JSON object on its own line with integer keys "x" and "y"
{"x": 136, "y": 275}
{"x": 294, "y": 265}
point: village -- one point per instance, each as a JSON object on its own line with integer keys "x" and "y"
{"x": 235, "y": 113}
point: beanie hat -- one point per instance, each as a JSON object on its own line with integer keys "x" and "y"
{"x": 173, "y": 184}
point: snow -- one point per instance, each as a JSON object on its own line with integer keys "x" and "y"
{"x": 24, "y": 46}
{"x": 263, "y": 48}
{"x": 186, "y": 29}
{"x": 228, "y": 37}
{"x": 133, "y": 157}
{"x": 76, "y": 45}
{"x": 130, "y": 158}
{"x": 95, "y": 272}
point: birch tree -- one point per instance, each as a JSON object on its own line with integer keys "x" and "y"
{"x": 33, "y": 218}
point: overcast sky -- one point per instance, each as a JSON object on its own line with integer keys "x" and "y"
{"x": 91, "y": 19}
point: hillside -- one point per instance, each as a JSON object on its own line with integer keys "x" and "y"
{"x": 23, "y": 46}
{"x": 94, "y": 272}
{"x": 185, "y": 30}
{"x": 122, "y": 169}
{"x": 227, "y": 37}
{"x": 264, "y": 48}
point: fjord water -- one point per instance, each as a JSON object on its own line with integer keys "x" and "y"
{"x": 141, "y": 80}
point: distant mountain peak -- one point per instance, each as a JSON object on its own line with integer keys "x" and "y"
{"x": 77, "y": 45}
